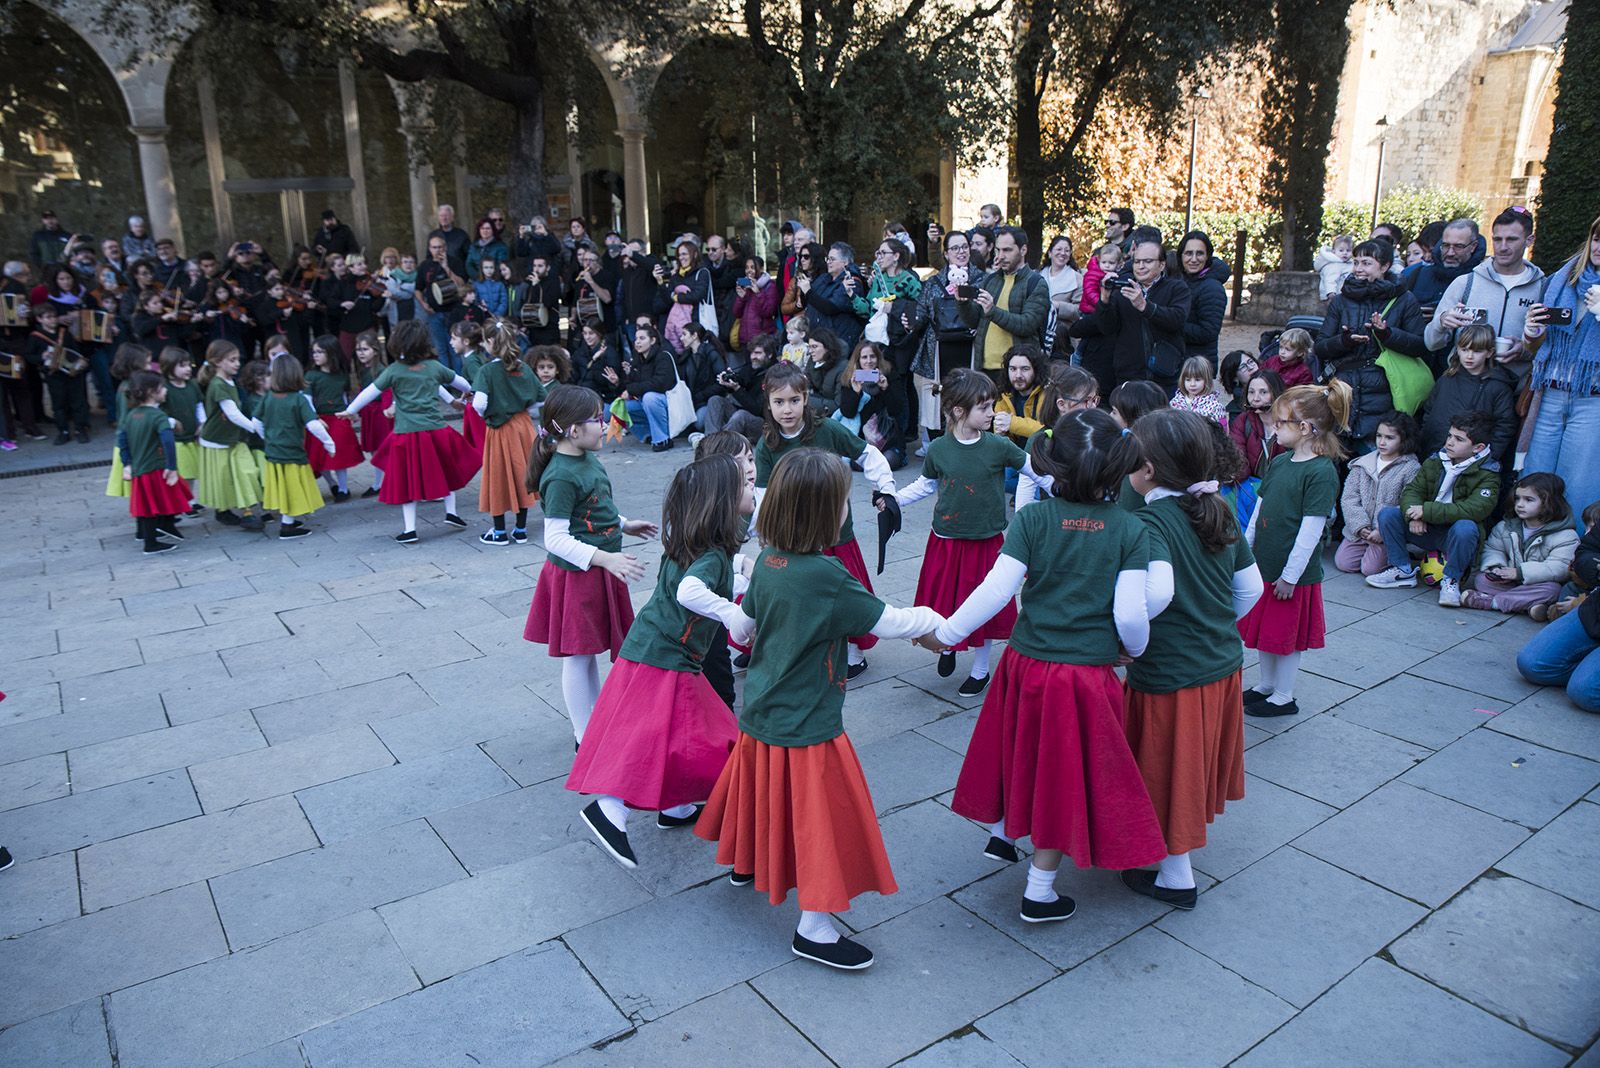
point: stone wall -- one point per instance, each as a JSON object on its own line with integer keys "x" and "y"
{"x": 1279, "y": 295}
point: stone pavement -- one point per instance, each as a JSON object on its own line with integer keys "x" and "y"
{"x": 287, "y": 804}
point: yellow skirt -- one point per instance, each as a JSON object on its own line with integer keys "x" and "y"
{"x": 188, "y": 459}
{"x": 291, "y": 489}
{"x": 115, "y": 485}
{"x": 229, "y": 478}
{"x": 260, "y": 457}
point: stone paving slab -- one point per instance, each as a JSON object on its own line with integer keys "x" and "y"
{"x": 1481, "y": 663}
{"x": 39, "y": 893}
{"x": 73, "y": 1037}
{"x": 284, "y": 769}
{"x": 1511, "y": 778}
{"x": 1268, "y": 817}
{"x": 733, "y": 1027}
{"x": 1419, "y": 710}
{"x": 27, "y": 782}
{"x": 457, "y": 722}
{"x": 97, "y": 816}
{"x": 1547, "y": 718}
{"x": 1564, "y": 857}
{"x": 139, "y": 755}
{"x": 1333, "y": 760}
{"x": 933, "y": 852}
{"x": 376, "y": 799}
{"x": 246, "y": 690}
{"x": 33, "y": 702}
{"x": 349, "y": 706}
{"x": 514, "y": 826}
{"x": 78, "y": 726}
{"x": 969, "y": 1050}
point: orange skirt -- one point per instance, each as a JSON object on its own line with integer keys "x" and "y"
{"x": 1190, "y": 748}
{"x": 798, "y": 818}
{"x": 505, "y": 463}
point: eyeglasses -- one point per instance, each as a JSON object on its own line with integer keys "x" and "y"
{"x": 1138, "y": 260}
{"x": 1454, "y": 246}
{"x": 1113, "y": 222}
{"x": 594, "y": 419}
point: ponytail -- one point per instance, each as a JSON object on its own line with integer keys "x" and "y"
{"x": 1181, "y": 448}
{"x": 216, "y": 352}
{"x": 504, "y": 344}
{"x": 1326, "y": 408}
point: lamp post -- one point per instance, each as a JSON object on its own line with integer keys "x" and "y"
{"x": 1200, "y": 93}
{"x": 1377, "y": 189}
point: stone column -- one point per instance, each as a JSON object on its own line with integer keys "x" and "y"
{"x": 361, "y": 219}
{"x": 160, "y": 190}
{"x": 634, "y": 179}
{"x": 416, "y": 126}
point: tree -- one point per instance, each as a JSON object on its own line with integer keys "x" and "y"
{"x": 1569, "y": 198}
{"x": 1139, "y": 55}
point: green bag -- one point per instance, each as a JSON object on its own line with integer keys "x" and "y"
{"x": 1410, "y": 380}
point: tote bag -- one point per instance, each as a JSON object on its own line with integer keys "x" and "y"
{"x": 680, "y": 401}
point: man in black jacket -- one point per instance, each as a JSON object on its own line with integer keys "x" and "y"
{"x": 1143, "y": 315}
{"x": 725, "y": 274}
{"x": 739, "y": 407}
{"x": 638, "y": 289}
{"x": 334, "y": 236}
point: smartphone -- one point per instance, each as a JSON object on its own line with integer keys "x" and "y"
{"x": 1558, "y": 316}
{"x": 743, "y": 282}
{"x": 866, "y": 375}
{"x": 967, "y": 292}
{"x": 1478, "y": 315}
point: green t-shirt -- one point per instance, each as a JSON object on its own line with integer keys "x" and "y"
{"x": 1194, "y": 641}
{"x": 972, "y": 484}
{"x": 1289, "y": 492}
{"x": 828, "y": 436}
{"x": 326, "y": 391}
{"x": 1128, "y": 498}
{"x": 144, "y": 425}
{"x": 217, "y": 429}
{"x": 508, "y": 393}
{"x": 667, "y": 635}
{"x": 180, "y": 405}
{"x": 284, "y": 417}
{"x": 416, "y": 394}
{"x": 122, "y": 401}
{"x": 578, "y": 489}
{"x": 367, "y": 374}
{"x": 1073, "y": 553}
{"x": 250, "y": 405}
{"x": 805, "y": 608}
{"x": 473, "y": 362}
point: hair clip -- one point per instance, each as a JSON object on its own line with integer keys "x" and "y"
{"x": 1126, "y": 431}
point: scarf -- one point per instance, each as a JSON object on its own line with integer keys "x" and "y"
{"x": 1452, "y": 471}
{"x": 1570, "y": 357}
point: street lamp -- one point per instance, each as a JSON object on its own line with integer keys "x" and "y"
{"x": 1200, "y": 93}
{"x": 1377, "y": 190}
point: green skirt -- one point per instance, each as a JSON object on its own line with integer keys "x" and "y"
{"x": 116, "y": 485}
{"x": 229, "y": 478}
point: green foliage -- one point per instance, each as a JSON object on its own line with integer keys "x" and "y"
{"x": 1569, "y": 198}
{"x": 1407, "y": 207}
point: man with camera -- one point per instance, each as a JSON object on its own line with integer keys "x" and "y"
{"x": 1142, "y": 312}
{"x": 638, "y": 289}
{"x": 1010, "y": 306}
{"x": 1500, "y": 292}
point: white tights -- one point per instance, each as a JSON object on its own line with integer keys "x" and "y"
{"x": 1278, "y": 675}
{"x": 408, "y": 511}
{"x": 580, "y": 688}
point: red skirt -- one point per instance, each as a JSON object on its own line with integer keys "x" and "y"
{"x": 424, "y": 465}
{"x": 798, "y": 818}
{"x": 657, "y": 738}
{"x": 375, "y": 426}
{"x": 346, "y": 449}
{"x": 1284, "y": 627}
{"x": 1190, "y": 749}
{"x": 473, "y": 428}
{"x": 848, "y": 553}
{"x": 953, "y": 568}
{"x": 578, "y": 613}
{"x": 1049, "y": 754}
{"x": 149, "y": 495}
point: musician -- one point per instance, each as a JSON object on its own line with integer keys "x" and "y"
{"x": 107, "y": 299}
{"x": 155, "y": 324}
{"x": 332, "y": 291}
{"x": 540, "y": 289}
{"x": 361, "y": 300}
{"x": 64, "y": 289}
{"x": 16, "y": 399}
{"x": 226, "y": 318}
{"x": 334, "y": 236}
{"x": 436, "y": 270}
{"x": 168, "y": 265}
{"x": 594, "y": 291}
{"x": 50, "y": 349}
{"x": 247, "y": 269}
{"x": 198, "y": 274}
{"x": 141, "y": 276}
{"x": 281, "y": 316}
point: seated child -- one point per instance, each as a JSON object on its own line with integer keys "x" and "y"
{"x": 1582, "y": 576}
{"x": 1334, "y": 264}
{"x": 1528, "y": 553}
{"x": 795, "y": 333}
{"x": 1374, "y": 483}
{"x": 1197, "y": 392}
{"x": 1443, "y": 507}
{"x": 1293, "y": 359}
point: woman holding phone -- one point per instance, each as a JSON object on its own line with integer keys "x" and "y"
{"x": 943, "y": 339}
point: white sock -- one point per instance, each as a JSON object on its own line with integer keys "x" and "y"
{"x": 450, "y": 503}
{"x": 1175, "y": 873}
{"x": 998, "y": 829}
{"x": 980, "y": 660}
{"x": 377, "y": 478}
{"x": 344, "y": 481}
{"x": 286, "y": 520}
{"x": 1268, "y": 670}
{"x": 408, "y": 515}
{"x": 1041, "y": 885}
{"x": 677, "y": 812}
{"x": 580, "y": 687}
{"x": 1283, "y": 684}
{"x": 856, "y": 657}
{"x": 817, "y": 927}
{"x": 614, "y": 810}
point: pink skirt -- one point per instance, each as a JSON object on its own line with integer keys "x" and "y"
{"x": 953, "y": 568}
{"x": 149, "y": 495}
{"x": 578, "y": 613}
{"x": 657, "y": 738}
{"x": 848, "y": 553}
{"x": 1284, "y": 627}
{"x": 424, "y": 465}
{"x": 1050, "y": 755}
{"x": 346, "y": 449}
{"x": 375, "y": 426}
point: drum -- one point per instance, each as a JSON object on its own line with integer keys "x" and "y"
{"x": 588, "y": 308}
{"x": 534, "y": 315}
{"x": 446, "y": 292}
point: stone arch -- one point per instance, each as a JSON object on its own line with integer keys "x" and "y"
{"x": 630, "y": 78}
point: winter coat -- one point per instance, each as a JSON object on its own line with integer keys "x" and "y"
{"x": 1507, "y": 305}
{"x": 756, "y": 309}
{"x": 138, "y": 248}
{"x": 1586, "y": 570}
{"x": 1293, "y": 374}
{"x": 1025, "y": 422}
{"x": 1028, "y": 308}
{"x": 1428, "y": 281}
{"x": 1331, "y": 272}
{"x": 830, "y": 305}
{"x": 1494, "y": 391}
{"x": 1473, "y": 495}
{"x": 1142, "y": 342}
{"x": 1367, "y": 489}
{"x": 1543, "y": 556}
{"x": 747, "y": 389}
{"x": 724, "y": 279}
{"x": 1093, "y": 273}
{"x": 697, "y": 282}
{"x": 700, "y": 370}
{"x": 825, "y": 385}
{"x": 492, "y": 295}
{"x": 1356, "y": 364}
{"x": 594, "y": 375}
{"x": 1249, "y": 432}
{"x": 649, "y": 375}
{"x": 935, "y": 305}
{"x": 1208, "y": 302}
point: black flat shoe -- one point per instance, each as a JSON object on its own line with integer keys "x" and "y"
{"x": 1048, "y": 911}
{"x": 1255, "y": 697}
{"x": 741, "y": 878}
{"x": 227, "y": 518}
{"x": 339, "y": 496}
{"x": 855, "y": 670}
{"x": 742, "y": 660}
{"x": 371, "y": 491}
{"x": 612, "y": 839}
{"x": 973, "y": 686}
{"x": 298, "y": 530}
{"x": 661, "y": 446}
{"x": 844, "y": 954}
{"x": 407, "y": 538}
{"x": 947, "y": 665}
{"x": 1001, "y": 850}
{"x": 1143, "y": 881}
{"x": 666, "y": 822}
{"x": 453, "y": 520}
{"x": 1266, "y": 709}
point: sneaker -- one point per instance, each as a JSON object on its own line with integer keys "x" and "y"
{"x": 854, "y": 670}
{"x": 227, "y": 518}
{"x": 6, "y": 859}
{"x": 742, "y": 660}
{"x": 495, "y": 537}
{"x": 1483, "y": 602}
{"x": 453, "y": 520}
{"x": 741, "y": 878}
{"x": 1449, "y": 593}
{"x": 407, "y": 538}
{"x": 34, "y": 435}
{"x": 519, "y": 535}
{"x": 63, "y": 437}
{"x": 661, "y": 446}
{"x": 844, "y": 954}
{"x": 1539, "y": 613}
{"x": 1562, "y": 607}
{"x": 293, "y": 530}
{"x": 160, "y": 547}
{"x": 1393, "y": 578}
{"x": 947, "y": 665}
{"x": 1061, "y": 908}
{"x": 369, "y": 492}
{"x": 666, "y": 822}
{"x": 1267, "y": 710}
{"x": 1143, "y": 881}
{"x": 611, "y": 838}
{"x": 973, "y": 686}
{"x": 1001, "y": 850}
{"x": 8, "y": 445}
{"x": 695, "y": 439}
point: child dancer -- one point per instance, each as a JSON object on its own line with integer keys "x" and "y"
{"x": 185, "y": 404}
{"x": 466, "y": 342}
{"x": 791, "y": 809}
{"x": 1197, "y": 391}
{"x": 1374, "y": 482}
{"x": 1128, "y": 402}
{"x": 719, "y": 663}
{"x": 327, "y": 381}
{"x": 252, "y": 383}
{"x": 1529, "y": 553}
{"x": 288, "y": 416}
{"x": 156, "y": 495}
{"x": 377, "y": 422}
{"x": 423, "y": 460}
{"x": 550, "y": 365}
{"x": 1297, "y": 500}
{"x": 1070, "y": 389}
{"x": 791, "y": 423}
{"x": 504, "y": 391}
{"x": 580, "y": 603}
{"x": 660, "y": 734}
{"x": 229, "y": 477}
{"x": 129, "y": 360}
{"x": 1185, "y": 711}
{"x": 1256, "y": 441}
{"x": 1048, "y": 757}
{"x": 967, "y": 468}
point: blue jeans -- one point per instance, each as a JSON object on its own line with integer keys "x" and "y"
{"x": 1566, "y": 440}
{"x": 652, "y": 411}
{"x": 1563, "y": 654}
{"x": 100, "y": 372}
{"x": 1459, "y": 541}
{"x": 439, "y": 330}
